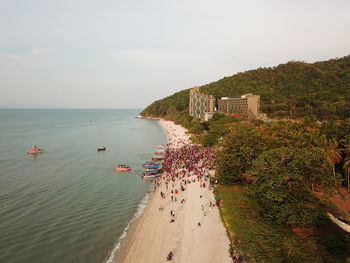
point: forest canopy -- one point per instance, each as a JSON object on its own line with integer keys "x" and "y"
{"x": 291, "y": 90}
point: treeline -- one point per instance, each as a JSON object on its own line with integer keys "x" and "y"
{"x": 291, "y": 90}
{"x": 288, "y": 170}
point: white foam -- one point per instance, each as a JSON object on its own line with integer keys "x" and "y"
{"x": 140, "y": 210}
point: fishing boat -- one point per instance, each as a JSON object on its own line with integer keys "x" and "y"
{"x": 151, "y": 165}
{"x": 159, "y": 146}
{"x": 101, "y": 148}
{"x": 150, "y": 171}
{"x": 149, "y": 162}
{"x": 145, "y": 176}
{"x": 160, "y": 152}
{"x": 157, "y": 158}
{"x": 122, "y": 167}
{"x": 34, "y": 150}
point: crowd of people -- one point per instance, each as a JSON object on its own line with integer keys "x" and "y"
{"x": 187, "y": 165}
{"x": 184, "y": 165}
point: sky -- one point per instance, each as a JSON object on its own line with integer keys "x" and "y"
{"x": 128, "y": 53}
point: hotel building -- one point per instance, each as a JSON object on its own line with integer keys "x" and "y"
{"x": 246, "y": 104}
{"x": 202, "y": 106}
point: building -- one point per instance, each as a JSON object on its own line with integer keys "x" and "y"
{"x": 200, "y": 104}
{"x": 247, "y": 104}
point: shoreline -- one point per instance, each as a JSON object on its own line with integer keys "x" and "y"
{"x": 156, "y": 236}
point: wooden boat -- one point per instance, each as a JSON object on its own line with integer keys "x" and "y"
{"x": 34, "y": 150}
{"x": 157, "y": 158}
{"x": 145, "y": 176}
{"x": 159, "y": 146}
{"x": 101, "y": 148}
{"x": 122, "y": 167}
{"x": 149, "y": 170}
{"x": 151, "y": 165}
{"x": 149, "y": 162}
{"x": 160, "y": 152}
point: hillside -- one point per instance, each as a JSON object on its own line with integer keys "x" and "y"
{"x": 294, "y": 90}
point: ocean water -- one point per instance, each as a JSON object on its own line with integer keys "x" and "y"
{"x": 68, "y": 204}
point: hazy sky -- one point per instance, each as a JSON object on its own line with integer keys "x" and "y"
{"x": 126, "y": 54}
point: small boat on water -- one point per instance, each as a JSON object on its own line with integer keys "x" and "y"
{"x": 160, "y": 146}
{"x": 151, "y": 165}
{"x": 122, "y": 167}
{"x": 157, "y": 158}
{"x": 34, "y": 150}
{"x": 150, "y": 162}
{"x": 101, "y": 148}
{"x": 160, "y": 152}
{"x": 152, "y": 170}
{"x": 145, "y": 176}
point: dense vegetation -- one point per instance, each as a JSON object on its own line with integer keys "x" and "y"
{"x": 294, "y": 90}
{"x": 261, "y": 241}
{"x": 285, "y": 171}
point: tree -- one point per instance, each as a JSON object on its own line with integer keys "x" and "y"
{"x": 346, "y": 169}
{"x": 239, "y": 148}
{"x": 332, "y": 150}
{"x": 282, "y": 179}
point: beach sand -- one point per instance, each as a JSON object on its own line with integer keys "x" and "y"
{"x": 153, "y": 236}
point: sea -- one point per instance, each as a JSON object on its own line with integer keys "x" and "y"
{"x": 68, "y": 204}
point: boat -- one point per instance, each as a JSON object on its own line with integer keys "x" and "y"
{"x": 101, "y": 148}
{"x": 157, "y": 158}
{"x": 145, "y": 176}
{"x": 151, "y": 165}
{"x": 159, "y": 146}
{"x": 149, "y": 170}
{"x": 34, "y": 150}
{"x": 149, "y": 162}
{"x": 160, "y": 152}
{"x": 122, "y": 167}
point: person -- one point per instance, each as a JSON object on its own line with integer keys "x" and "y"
{"x": 170, "y": 256}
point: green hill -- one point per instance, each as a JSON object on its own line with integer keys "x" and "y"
{"x": 294, "y": 89}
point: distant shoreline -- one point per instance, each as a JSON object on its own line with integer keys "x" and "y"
{"x": 148, "y": 118}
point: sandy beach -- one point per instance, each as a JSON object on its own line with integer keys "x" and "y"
{"x": 197, "y": 233}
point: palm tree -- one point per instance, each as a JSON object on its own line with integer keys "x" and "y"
{"x": 332, "y": 149}
{"x": 346, "y": 165}
{"x": 346, "y": 169}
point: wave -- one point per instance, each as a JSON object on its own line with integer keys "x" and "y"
{"x": 138, "y": 213}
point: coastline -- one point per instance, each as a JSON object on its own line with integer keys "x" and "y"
{"x": 156, "y": 236}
